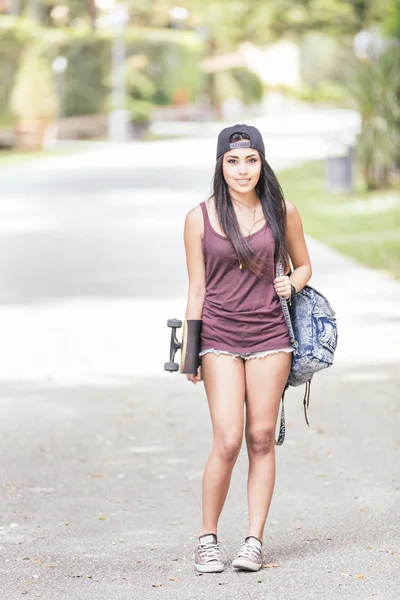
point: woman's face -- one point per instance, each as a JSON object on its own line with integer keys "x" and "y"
{"x": 241, "y": 168}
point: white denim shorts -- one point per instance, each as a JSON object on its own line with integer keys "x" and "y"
{"x": 244, "y": 355}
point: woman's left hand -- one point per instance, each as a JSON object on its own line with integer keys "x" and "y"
{"x": 282, "y": 286}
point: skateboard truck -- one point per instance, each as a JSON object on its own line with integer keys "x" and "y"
{"x": 175, "y": 345}
{"x": 189, "y": 347}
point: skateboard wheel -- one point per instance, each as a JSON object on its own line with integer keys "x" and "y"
{"x": 174, "y": 323}
{"x": 171, "y": 367}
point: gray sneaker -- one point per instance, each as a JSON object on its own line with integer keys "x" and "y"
{"x": 249, "y": 557}
{"x": 206, "y": 555}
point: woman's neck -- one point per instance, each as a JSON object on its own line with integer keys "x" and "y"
{"x": 250, "y": 200}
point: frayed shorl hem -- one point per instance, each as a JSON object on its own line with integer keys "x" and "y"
{"x": 245, "y": 355}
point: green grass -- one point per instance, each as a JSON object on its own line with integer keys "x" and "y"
{"x": 363, "y": 225}
{"x": 14, "y": 157}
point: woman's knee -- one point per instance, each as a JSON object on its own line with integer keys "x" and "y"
{"x": 228, "y": 446}
{"x": 260, "y": 441}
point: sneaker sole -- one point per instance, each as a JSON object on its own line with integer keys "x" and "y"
{"x": 245, "y": 565}
{"x": 210, "y": 568}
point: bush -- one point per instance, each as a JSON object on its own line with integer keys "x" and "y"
{"x": 139, "y": 85}
{"x": 15, "y": 34}
{"x": 322, "y": 93}
{"x": 234, "y": 83}
{"x": 174, "y": 58}
{"x": 34, "y": 95}
{"x": 374, "y": 87}
{"x": 85, "y": 85}
{"x": 226, "y": 86}
{"x": 173, "y": 62}
{"x": 251, "y": 86}
{"x": 140, "y": 110}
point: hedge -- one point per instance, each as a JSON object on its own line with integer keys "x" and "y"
{"x": 173, "y": 62}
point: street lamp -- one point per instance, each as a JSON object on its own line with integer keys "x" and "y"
{"x": 178, "y": 16}
{"x": 116, "y": 18}
{"x": 59, "y": 66}
{"x": 368, "y": 45}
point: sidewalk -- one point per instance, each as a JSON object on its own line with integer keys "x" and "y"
{"x": 103, "y": 451}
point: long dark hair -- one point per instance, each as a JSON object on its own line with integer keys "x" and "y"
{"x": 273, "y": 205}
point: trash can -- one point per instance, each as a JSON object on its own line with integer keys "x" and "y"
{"x": 339, "y": 168}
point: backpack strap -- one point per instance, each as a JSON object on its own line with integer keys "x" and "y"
{"x": 282, "y": 428}
{"x": 285, "y": 309}
{"x": 306, "y": 399}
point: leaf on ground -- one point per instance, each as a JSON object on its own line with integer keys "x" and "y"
{"x": 102, "y": 518}
{"x": 271, "y": 566}
{"x": 173, "y": 579}
{"x": 139, "y": 561}
{"x": 97, "y": 475}
{"x": 360, "y": 576}
{"x": 156, "y": 585}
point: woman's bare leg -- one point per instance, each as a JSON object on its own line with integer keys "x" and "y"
{"x": 265, "y": 380}
{"x": 224, "y": 381}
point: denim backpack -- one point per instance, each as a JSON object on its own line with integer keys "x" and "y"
{"x": 313, "y": 336}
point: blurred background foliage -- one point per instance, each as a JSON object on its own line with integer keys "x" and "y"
{"x": 167, "y": 58}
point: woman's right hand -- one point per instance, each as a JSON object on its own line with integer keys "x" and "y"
{"x": 195, "y": 378}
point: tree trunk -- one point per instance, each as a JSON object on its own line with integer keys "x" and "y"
{"x": 15, "y": 8}
{"x": 92, "y": 10}
{"x": 35, "y": 10}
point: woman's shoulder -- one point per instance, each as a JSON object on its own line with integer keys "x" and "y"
{"x": 194, "y": 219}
{"x": 290, "y": 207}
{"x": 292, "y": 214}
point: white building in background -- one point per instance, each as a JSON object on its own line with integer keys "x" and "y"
{"x": 276, "y": 65}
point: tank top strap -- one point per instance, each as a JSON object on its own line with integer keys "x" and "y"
{"x": 206, "y": 219}
{"x": 205, "y": 213}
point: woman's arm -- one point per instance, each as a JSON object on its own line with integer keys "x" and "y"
{"x": 193, "y": 234}
{"x": 298, "y": 253}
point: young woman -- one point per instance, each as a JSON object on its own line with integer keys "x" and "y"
{"x": 234, "y": 243}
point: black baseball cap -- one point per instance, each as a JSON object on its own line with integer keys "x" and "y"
{"x": 255, "y": 140}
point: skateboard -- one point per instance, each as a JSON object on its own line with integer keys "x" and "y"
{"x": 189, "y": 347}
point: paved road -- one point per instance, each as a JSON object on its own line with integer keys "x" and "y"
{"x": 102, "y": 453}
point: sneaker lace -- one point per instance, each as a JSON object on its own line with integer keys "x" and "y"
{"x": 249, "y": 551}
{"x": 210, "y": 552}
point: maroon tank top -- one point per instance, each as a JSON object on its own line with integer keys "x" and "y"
{"x": 241, "y": 312}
